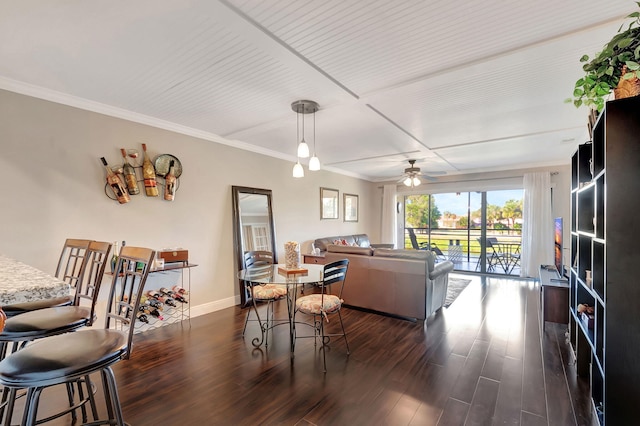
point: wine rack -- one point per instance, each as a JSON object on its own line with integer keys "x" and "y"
{"x": 605, "y": 201}
{"x": 171, "y": 275}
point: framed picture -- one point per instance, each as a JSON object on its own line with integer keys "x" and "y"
{"x": 350, "y": 206}
{"x": 328, "y": 203}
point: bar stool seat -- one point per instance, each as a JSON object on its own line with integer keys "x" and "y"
{"x": 63, "y": 359}
{"x": 45, "y": 322}
{"x": 34, "y": 305}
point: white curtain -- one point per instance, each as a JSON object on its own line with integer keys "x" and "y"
{"x": 537, "y": 227}
{"x": 389, "y": 213}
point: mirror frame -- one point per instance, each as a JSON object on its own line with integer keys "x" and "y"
{"x": 236, "y": 192}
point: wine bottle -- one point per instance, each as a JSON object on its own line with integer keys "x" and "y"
{"x": 149, "y": 175}
{"x": 162, "y": 298}
{"x": 154, "y": 303}
{"x": 116, "y": 184}
{"x": 129, "y": 175}
{"x": 156, "y": 313}
{"x": 153, "y": 293}
{"x": 142, "y": 317}
{"x": 114, "y": 258}
{"x": 170, "y": 183}
{"x": 168, "y": 301}
{"x": 179, "y": 289}
{"x": 173, "y": 294}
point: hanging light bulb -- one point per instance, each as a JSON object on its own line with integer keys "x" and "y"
{"x": 314, "y": 162}
{"x": 303, "y": 148}
{"x": 298, "y": 171}
{"x": 412, "y": 181}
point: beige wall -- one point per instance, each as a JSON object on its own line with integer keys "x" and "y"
{"x": 53, "y": 188}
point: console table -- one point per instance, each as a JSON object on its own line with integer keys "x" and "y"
{"x": 314, "y": 259}
{"x": 554, "y": 296}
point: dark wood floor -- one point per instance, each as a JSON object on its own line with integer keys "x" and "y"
{"x": 482, "y": 361}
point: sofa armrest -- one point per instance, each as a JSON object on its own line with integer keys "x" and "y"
{"x": 441, "y": 269}
{"x": 389, "y": 246}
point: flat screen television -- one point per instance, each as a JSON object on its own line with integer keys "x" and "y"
{"x": 558, "y": 246}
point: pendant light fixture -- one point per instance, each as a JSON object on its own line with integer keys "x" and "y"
{"x": 298, "y": 171}
{"x": 314, "y": 162}
{"x": 302, "y": 108}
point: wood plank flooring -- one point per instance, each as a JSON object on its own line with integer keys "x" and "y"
{"x": 483, "y": 361}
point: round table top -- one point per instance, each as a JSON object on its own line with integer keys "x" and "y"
{"x": 277, "y": 274}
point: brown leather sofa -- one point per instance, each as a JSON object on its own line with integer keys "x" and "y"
{"x": 407, "y": 283}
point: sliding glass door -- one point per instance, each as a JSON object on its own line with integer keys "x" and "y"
{"x": 478, "y": 231}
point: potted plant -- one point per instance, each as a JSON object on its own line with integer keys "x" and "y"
{"x": 615, "y": 68}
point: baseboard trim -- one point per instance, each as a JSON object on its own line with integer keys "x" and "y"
{"x": 207, "y": 308}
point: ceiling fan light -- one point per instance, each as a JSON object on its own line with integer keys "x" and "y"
{"x": 298, "y": 171}
{"x": 314, "y": 163}
{"x": 415, "y": 181}
{"x": 303, "y": 149}
{"x": 407, "y": 181}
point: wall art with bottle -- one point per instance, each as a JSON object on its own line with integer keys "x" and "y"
{"x": 159, "y": 178}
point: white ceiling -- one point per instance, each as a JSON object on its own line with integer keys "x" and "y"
{"x": 462, "y": 86}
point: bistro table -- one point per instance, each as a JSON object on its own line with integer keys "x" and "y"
{"x": 275, "y": 274}
{"x": 23, "y": 283}
{"x": 510, "y": 252}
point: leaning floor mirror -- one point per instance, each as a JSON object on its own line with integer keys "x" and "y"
{"x": 253, "y": 227}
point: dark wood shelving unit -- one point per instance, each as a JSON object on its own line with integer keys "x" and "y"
{"x": 605, "y": 202}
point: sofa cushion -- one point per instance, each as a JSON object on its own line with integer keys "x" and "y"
{"x": 334, "y": 248}
{"x": 360, "y": 240}
{"x": 426, "y": 255}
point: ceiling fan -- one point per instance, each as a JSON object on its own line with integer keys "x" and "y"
{"x": 411, "y": 176}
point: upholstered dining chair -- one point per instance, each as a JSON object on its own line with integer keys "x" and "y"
{"x": 70, "y": 267}
{"x": 261, "y": 293}
{"x": 72, "y": 357}
{"x": 327, "y": 302}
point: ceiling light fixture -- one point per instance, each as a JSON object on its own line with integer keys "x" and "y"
{"x": 412, "y": 173}
{"x": 412, "y": 181}
{"x": 301, "y": 108}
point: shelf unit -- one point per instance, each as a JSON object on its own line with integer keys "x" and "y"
{"x": 605, "y": 202}
{"x": 169, "y": 276}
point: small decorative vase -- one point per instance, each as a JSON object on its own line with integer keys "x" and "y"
{"x": 291, "y": 255}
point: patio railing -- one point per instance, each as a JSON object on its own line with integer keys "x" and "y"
{"x": 462, "y": 245}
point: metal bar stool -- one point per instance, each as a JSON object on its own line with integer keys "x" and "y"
{"x": 70, "y": 267}
{"x": 71, "y": 357}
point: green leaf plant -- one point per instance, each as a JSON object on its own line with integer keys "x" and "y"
{"x": 618, "y": 59}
